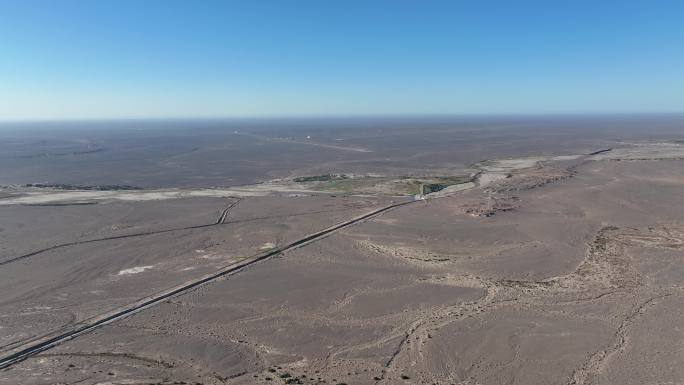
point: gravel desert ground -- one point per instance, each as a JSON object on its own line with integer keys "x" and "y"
{"x": 550, "y": 253}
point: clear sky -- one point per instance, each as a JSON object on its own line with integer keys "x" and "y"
{"x": 145, "y": 58}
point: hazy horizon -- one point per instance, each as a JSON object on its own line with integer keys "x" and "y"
{"x": 350, "y": 117}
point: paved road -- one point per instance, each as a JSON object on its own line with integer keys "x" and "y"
{"x": 55, "y": 338}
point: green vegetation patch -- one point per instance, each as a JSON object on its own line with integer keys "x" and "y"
{"x": 442, "y": 182}
{"x": 434, "y": 187}
{"x": 320, "y": 178}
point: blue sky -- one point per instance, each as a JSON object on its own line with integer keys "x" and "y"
{"x": 145, "y": 58}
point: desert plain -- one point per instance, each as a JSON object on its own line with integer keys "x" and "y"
{"x": 510, "y": 250}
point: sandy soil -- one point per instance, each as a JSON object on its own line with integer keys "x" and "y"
{"x": 65, "y": 285}
{"x": 562, "y": 268}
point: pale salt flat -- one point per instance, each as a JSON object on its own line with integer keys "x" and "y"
{"x": 134, "y": 270}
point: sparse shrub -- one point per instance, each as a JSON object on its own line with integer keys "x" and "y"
{"x": 320, "y": 178}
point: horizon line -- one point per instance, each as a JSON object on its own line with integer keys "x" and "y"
{"x": 334, "y": 116}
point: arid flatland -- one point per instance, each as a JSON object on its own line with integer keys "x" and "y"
{"x": 501, "y": 251}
